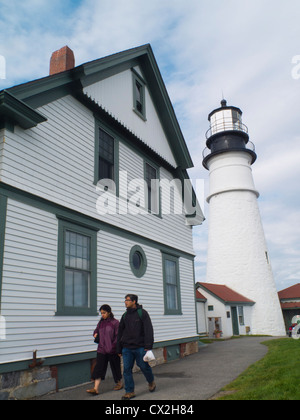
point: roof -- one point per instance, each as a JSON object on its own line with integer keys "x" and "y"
{"x": 292, "y": 292}
{"x": 14, "y": 111}
{"x": 18, "y": 104}
{"x": 200, "y": 297}
{"x": 47, "y": 89}
{"x": 224, "y": 293}
{"x": 290, "y": 305}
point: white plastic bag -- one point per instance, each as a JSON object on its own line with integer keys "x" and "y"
{"x": 149, "y": 356}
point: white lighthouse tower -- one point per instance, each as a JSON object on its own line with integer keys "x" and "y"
{"x": 237, "y": 251}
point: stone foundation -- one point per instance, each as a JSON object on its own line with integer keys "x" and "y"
{"x": 32, "y": 383}
{"x": 27, "y": 384}
{"x": 187, "y": 349}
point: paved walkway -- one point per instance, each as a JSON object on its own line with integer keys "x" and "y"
{"x": 196, "y": 377}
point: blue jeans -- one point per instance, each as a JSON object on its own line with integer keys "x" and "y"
{"x": 129, "y": 356}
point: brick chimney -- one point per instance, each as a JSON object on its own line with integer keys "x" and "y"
{"x": 62, "y": 60}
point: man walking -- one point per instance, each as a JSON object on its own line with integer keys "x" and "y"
{"x": 135, "y": 338}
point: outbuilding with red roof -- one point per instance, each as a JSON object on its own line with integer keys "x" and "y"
{"x": 224, "y": 310}
{"x": 290, "y": 303}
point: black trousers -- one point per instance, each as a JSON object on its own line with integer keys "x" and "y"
{"x": 102, "y": 363}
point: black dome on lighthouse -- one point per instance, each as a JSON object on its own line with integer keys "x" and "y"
{"x": 227, "y": 133}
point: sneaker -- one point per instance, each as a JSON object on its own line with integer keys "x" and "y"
{"x": 119, "y": 385}
{"x": 128, "y": 396}
{"x": 152, "y": 386}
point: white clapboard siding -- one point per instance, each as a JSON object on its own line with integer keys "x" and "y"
{"x": 30, "y": 281}
{"x": 130, "y": 162}
{"x": 114, "y": 94}
{"x": 29, "y": 290}
{"x": 1, "y": 150}
{"x": 149, "y": 288}
{"x": 55, "y": 160}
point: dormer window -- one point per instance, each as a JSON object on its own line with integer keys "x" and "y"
{"x": 139, "y": 97}
{"x": 139, "y": 103}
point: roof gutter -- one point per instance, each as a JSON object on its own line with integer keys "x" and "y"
{"x": 13, "y": 112}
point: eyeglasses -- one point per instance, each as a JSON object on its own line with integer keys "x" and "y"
{"x": 127, "y": 300}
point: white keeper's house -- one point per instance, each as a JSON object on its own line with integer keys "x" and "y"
{"x": 69, "y": 243}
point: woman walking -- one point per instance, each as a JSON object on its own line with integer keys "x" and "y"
{"x": 107, "y": 332}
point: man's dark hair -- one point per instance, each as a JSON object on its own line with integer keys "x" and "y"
{"x": 132, "y": 298}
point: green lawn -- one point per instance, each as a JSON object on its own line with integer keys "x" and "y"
{"x": 276, "y": 377}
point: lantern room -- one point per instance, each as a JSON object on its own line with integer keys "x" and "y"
{"x": 227, "y": 133}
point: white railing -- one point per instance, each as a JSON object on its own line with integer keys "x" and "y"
{"x": 226, "y": 124}
{"x": 248, "y": 146}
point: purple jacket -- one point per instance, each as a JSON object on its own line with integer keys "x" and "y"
{"x": 107, "y": 330}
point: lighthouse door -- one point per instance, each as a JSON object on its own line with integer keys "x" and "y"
{"x": 235, "y": 323}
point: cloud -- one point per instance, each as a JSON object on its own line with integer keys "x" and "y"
{"x": 204, "y": 49}
{"x": 29, "y": 32}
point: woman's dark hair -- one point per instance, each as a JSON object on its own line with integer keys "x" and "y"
{"x": 107, "y": 308}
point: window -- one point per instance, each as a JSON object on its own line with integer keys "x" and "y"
{"x": 139, "y": 102}
{"x": 171, "y": 285}
{"x": 210, "y": 308}
{"x": 236, "y": 120}
{"x": 77, "y": 277}
{"x": 139, "y": 97}
{"x": 138, "y": 261}
{"x": 152, "y": 181}
{"x": 77, "y": 270}
{"x": 241, "y": 315}
{"x": 267, "y": 257}
{"x": 106, "y": 156}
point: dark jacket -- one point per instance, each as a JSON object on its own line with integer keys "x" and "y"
{"x": 134, "y": 331}
{"x": 107, "y": 330}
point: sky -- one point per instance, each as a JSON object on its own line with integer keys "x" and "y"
{"x": 245, "y": 50}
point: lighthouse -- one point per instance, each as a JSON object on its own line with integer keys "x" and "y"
{"x": 237, "y": 251}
